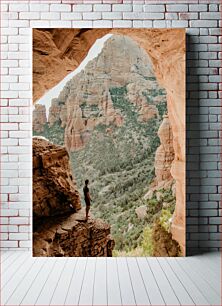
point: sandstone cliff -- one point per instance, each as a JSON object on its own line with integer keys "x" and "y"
{"x": 54, "y": 189}
{"x": 85, "y": 102}
{"x": 59, "y": 227}
{"x": 164, "y": 154}
{"x": 39, "y": 118}
{"x": 166, "y": 47}
{"x": 71, "y": 236}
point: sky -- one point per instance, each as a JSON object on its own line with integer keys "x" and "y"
{"x": 55, "y": 91}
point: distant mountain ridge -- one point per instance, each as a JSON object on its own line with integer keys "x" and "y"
{"x": 85, "y": 101}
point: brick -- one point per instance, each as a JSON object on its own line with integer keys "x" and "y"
{"x": 147, "y": 23}
{"x": 24, "y": 213}
{"x": 83, "y": 8}
{"x": 187, "y": 16}
{"x": 137, "y": 7}
{"x": 112, "y": 15}
{"x": 24, "y": 229}
{"x": 162, "y": 23}
{"x": 216, "y": 31}
{"x": 39, "y": 24}
{"x": 122, "y": 23}
{"x": 60, "y": 24}
{"x": 19, "y": 220}
{"x": 209, "y": 15}
{"x": 198, "y": 7}
{"x": 4, "y": 220}
{"x": 60, "y": 8}
{"x": 199, "y": 236}
{"x": 9, "y": 244}
{"x": 207, "y": 55}
{"x": 102, "y": 7}
{"x": 18, "y": 236}
{"x": 213, "y": 7}
{"x": 139, "y": 23}
{"x": 214, "y": 47}
{"x": 29, "y": 15}
{"x": 9, "y": 212}
{"x": 171, "y": 16}
{"x": 102, "y": 23}
{"x": 25, "y": 244}
{"x": 177, "y": 8}
{"x": 180, "y": 23}
{"x": 215, "y": 63}
{"x": 51, "y": 15}
{"x": 121, "y": 7}
{"x": 35, "y": 7}
{"x": 203, "y": 23}
{"x": 135, "y": 15}
{"x": 18, "y": 7}
{"x": 19, "y": 118}
{"x": 154, "y": 8}
{"x": 215, "y": 220}
{"x": 71, "y": 16}
{"x": 92, "y": 15}
{"x": 82, "y": 24}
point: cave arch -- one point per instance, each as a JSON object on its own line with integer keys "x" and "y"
{"x": 66, "y": 48}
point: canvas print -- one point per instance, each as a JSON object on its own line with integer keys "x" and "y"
{"x": 108, "y": 142}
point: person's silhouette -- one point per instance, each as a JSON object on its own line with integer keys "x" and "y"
{"x": 87, "y": 198}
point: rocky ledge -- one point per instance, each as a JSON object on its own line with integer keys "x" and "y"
{"x": 73, "y": 236}
{"x": 59, "y": 227}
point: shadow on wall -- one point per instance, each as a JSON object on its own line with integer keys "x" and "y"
{"x": 192, "y": 149}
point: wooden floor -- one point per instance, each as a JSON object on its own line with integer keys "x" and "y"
{"x": 110, "y": 281}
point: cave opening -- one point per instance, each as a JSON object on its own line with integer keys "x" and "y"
{"x": 140, "y": 117}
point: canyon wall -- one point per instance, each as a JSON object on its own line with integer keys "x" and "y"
{"x": 122, "y": 68}
{"x": 59, "y": 224}
{"x": 166, "y": 48}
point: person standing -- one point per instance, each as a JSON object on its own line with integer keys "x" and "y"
{"x": 87, "y": 198}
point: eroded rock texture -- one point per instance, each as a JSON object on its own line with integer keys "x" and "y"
{"x": 54, "y": 189}
{"x": 59, "y": 227}
{"x": 72, "y": 236}
{"x": 39, "y": 118}
{"x": 65, "y": 49}
{"x": 164, "y": 154}
{"x": 85, "y": 102}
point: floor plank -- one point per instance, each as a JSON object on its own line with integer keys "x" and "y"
{"x": 191, "y": 288}
{"x": 23, "y": 287}
{"x": 181, "y": 293}
{"x": 110, "y": 281}
{"x": 48, "y": 290}
{"x": 113, "y": 285}
{"x": 17, "y": 278}
{"x": 100, "y": 283}
{"x": 86, "y": 294}
{"x": 208, "y": 292}
{"x": 75, "y": 286}
{"x": 126, "y": 289}
{"x": 62, "y": 288}
{"x": 166, "y": 289}
{"x": 152, "y": 288}
{"x": 139, "y": 288}
{"x": 211, "y": 260}
{"x": 14, "y": 269}
{"x": 36, "y": 287}
{"x": 213, "y": 279}
{"x": 5, "y": 255}
{"x": 10, "y": 261}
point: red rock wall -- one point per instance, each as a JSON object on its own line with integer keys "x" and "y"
{"x": 54, "y": 189}
{"x": 59, "y": 224}
{"x": 166, "y": 47}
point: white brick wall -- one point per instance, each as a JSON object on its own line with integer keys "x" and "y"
{"x": 200, "y": 17}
